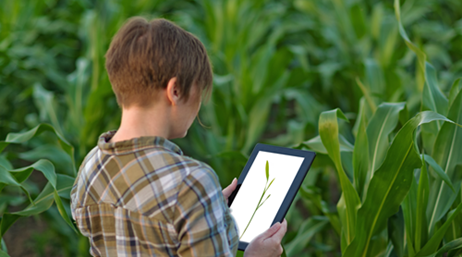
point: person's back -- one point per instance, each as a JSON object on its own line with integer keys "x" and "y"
{"x": 136, "y": 194}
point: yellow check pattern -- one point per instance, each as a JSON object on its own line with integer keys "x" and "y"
{"x": 143, "y": 197}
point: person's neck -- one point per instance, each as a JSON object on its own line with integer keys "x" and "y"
{"x": 142, "y": 122}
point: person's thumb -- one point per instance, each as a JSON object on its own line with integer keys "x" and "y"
{"x": 281, "y": 232}
{"x": 229, "y": 189}
{"x": 271, "y": 231}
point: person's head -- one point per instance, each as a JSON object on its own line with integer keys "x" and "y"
{"x": 145, "y": 55}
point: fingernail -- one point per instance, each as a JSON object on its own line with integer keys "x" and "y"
{"x": 234, "y": 180}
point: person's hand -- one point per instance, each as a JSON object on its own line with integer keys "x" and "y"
{"x": 229, "y": 189}
{"x": 267, "y": 244}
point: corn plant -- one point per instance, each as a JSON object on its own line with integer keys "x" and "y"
{"x": 12, "y": 179}
{"x": 277, "y": 65}
{"x": 400, "y": 184}
{"x": 260, "y": 203}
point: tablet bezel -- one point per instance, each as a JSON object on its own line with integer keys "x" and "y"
{"x": 297, "y": 182}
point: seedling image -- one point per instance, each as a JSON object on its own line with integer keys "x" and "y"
{"x": 260, "y": 203}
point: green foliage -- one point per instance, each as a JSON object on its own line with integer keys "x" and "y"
{"x": 392, "y": 178}
{"x": 278, "y": 66}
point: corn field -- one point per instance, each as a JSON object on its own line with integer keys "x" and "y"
{"x": 373, "y": 87}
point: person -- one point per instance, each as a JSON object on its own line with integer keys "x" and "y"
{"x": 136, "y": 194}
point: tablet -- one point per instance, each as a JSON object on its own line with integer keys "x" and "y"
{"x": 266, "y": 188}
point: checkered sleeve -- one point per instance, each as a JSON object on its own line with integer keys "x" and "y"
{"x": 202, "y": 217}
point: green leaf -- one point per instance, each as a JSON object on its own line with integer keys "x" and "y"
{"x": 396, "y": 232}
{"x": 267, "y": 170}
{"x": 316, "y": 145}
{"x": 270, "y": 183}
{"x": 62, "y": 211}
{"x": 257, "y": 121}
{"x": 421, "y": 57}
{"x": 307, "y": 230}
{"x": 454, "y": 244}
{"x": 409, "y": 207}
{"x": 382, "y": 123}
{"x": 3, "y": 245}
{"x": 8, "y": 179}
{"x": 434, "y": 242}
{"x": 421, "y": 232}
{"x": 432, "y": 97}
{"x": 361, "y": 161}
{"x": 316, "y": 198}
{"x": 3, "y": 254}
{"x": 328, "y": 131}
{"x": 45, "y": 102}
{"x": 367, "y": 95}
{"x": 447, "y": 151}
{"x": 45, "y": 166}
{"x": 6, "y": 222}
{"x": 5, "y": 163}
{"x": 42, "y": 202}
{"x": 439, "y": 171}
{"x": 456, "y": 87}
{"x": 389, "y": 184}
{"x": 18, "y": 138}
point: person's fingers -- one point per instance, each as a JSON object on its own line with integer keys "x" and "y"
{"x": 281, "y": 232}
{"x": 229, "y": 189}
{"x": 280, "y": 250}
{"x": 271, "y": 231}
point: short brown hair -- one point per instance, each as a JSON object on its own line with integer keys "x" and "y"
{"x": 144, "y": 56}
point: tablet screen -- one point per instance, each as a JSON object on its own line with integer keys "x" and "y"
{"x": 262, "y": 194}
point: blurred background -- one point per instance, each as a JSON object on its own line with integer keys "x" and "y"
{"x": 277, "y": 65}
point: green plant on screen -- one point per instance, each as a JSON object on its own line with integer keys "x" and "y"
{"x": 260, "y": 203}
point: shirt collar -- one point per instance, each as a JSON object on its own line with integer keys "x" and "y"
{"x": 135, "y": 144}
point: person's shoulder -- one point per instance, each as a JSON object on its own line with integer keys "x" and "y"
{"x": 199, "y": 172}
{"x": 78, "y": 188}
{"x": 185, "y": 164}
{"x": 89, "y": 158}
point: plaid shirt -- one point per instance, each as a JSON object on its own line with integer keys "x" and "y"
{"x": 143, "y": 197}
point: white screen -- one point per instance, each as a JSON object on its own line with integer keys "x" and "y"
{"x": 283, "y": 169}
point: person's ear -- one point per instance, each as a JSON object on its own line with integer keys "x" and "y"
{"x": 173, "y": 92}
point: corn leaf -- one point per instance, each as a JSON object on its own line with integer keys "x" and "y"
{"x": 6, "y": 222}
{"x": 439, "y": 171}
{"x": 361, "y": 161}
{"x": 6, "y": 178}
{"x": 382, "y": 123}
{"x": 42, "y": 202}
{"x": 421, "y": 232}
{"x": 62, "y": 211}
{"x": 446, "y": 152}
{"x": 3, "y": 254}
{"x": 432, "y": 97}
{"x": 45, "y": 166}
{"x": 389, "y": 185}
{"x": 307, "y": 231}
{"x": 323, "y": 206}
{"x": 453, "y": 245}
{"x": 409, "y": 207}
{"x": 316, "y": 145}
{"x": 396, "y": 232}
{"x": 456, "y": 87}
{"x": 328, "y": 130}
{"x": 434, "y": 242}
{"x": 18, "y": 138}
{"x": 367, "y": 95}
{"x": 421, "y": 57}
